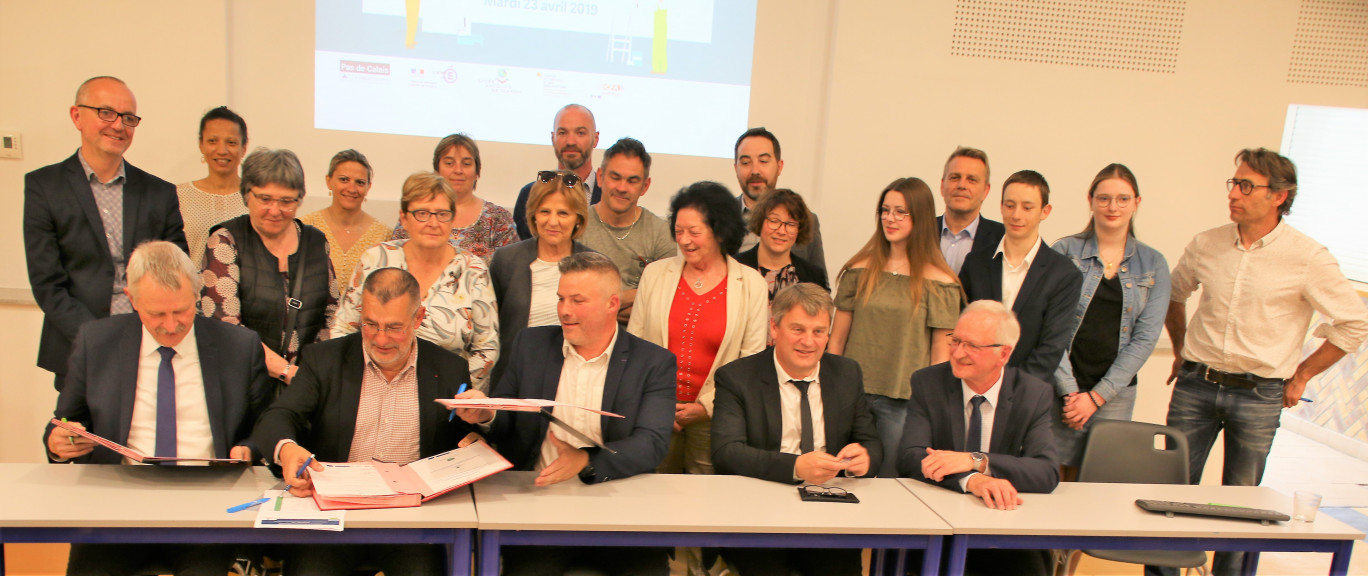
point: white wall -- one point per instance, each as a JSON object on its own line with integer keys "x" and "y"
{"x": 859, "y": 92}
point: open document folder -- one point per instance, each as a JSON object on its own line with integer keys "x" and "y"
{"x": 137, "y": 456}
{"x": 357, "y": 485}
{"x": 515, "y": 404}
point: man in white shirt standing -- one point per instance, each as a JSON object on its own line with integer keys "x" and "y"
{"x": 164, "y": 382}
{"x": 1238, "y": 361}
{"x": 587, "y": 361}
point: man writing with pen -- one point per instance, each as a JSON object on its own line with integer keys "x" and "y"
{"x": 586, "y": 361}
{"x": 367, "y": 396}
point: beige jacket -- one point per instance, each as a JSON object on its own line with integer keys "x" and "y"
{"x": 747, "y": 313}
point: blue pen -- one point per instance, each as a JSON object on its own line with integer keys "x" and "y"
{"x": 452, "y": 415}
{"x": 300, "y": 473}
{"x": 241, "y": 507}
{"x": 1304, "y": 399}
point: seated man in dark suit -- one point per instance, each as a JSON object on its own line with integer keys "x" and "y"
{"x": 1040, "y": 285}
{"x": 586, "y": 361}
{"x": 166, "y": 382}
{"x": 976, "y": 427}
{"x": 794, "y": 414}
{"x": 367, "y": 395}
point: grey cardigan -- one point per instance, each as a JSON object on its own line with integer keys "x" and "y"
{"x": 510, "y": 271}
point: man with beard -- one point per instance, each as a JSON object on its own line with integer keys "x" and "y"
{"x": 758, "y": 164}
{"x": 573, "y": 138}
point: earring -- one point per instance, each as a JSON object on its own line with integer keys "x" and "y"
{"x": 203, "y": 160}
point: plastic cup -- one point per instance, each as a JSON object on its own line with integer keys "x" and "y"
{"x": 1304, "y": 506}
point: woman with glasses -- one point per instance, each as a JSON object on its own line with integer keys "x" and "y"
{"x": 1122, "y": 307}
{"x": 209, "y": 200}
{"x": 350, "y": 230}
{"x": 896, "y": 302}
{"x": 268, "y": 271}
{"x": 526, "y": 274}
{"x": 481, "y": 226}
{"x": 781, "y": 220}
{"x": 461, "y": 314}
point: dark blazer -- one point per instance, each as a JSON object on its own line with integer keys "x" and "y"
{"x": 102, "y": 378}
{"x": 69, "y": 267}
{"x": 319, "y": 407}
{"x": 748, "y": 427}
{"x": 1044, "y": 306}
{"x": 510, "y": 272}
{"x": 1022, "y": 449}
{"x": 986, "y": 238}
{"x": 806, "y": 271}
{"x": 520, "y": 206}
{"x": 640, "y": 386}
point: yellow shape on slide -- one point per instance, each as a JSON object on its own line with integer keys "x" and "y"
{"x": 659, "y": 60}
{"x": 411, "y": 15}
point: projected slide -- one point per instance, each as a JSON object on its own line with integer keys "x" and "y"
{"x": 1329, "y": 146}
{"x": 673, "y": 73}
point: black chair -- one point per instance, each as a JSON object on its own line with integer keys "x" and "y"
{"x": 1121, "y": 451}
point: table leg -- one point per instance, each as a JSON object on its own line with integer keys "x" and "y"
{"x": 878, "y": 564}
{"x": 1251, "y": 564}
{"x": 458, "y": 553}
{"x": 2, "y": 559}
{"x": 1339, "y": 563}
{"x": 959, "y": 548}
{"x": 489, "y": 553}
{"x": 931, "y": 558}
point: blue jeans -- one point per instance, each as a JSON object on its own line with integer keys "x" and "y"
{"x": 889, "y": 414}
{"x": 1250, "y": 418}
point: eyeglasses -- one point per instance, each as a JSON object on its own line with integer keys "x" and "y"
{"x": 775, "y": 224}
{"x": 1121, "y": 201}
{"x": 1246, "y": 187}
{"x": 373, "y": 329}
{"x": 423, "y": 215}
{"x": 110, "y": 115}
{"x": 570, "y": 179}
{"x": 283, "y": 203}
{"x": 824, "y": 491}
{"x": 897, "y": 214}
{"x": 956, "y": 341}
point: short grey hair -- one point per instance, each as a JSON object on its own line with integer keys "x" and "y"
{"x": 812, "y": 298}
{"x": 387, "y": 284}
{"x": 266, "y": 166}
{"x": 592, "y": 262}
{"x": 166, "y": 264}
{"x": 1008, "y": 329}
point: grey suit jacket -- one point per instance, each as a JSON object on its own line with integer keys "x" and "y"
{"x": 102, "y": 379}
{"x": 510, "y": 272}
{"x": 1022, "y": 449}
{"x": 748, "y": 427}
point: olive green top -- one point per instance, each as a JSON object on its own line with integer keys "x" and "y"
{"x": 888, "y": 338}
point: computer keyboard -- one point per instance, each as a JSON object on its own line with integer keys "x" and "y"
{"x": 1171, "y": 508}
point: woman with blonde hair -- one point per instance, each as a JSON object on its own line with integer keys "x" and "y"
{"x": 896, "y": 302}
{"x": 461, "y": 312}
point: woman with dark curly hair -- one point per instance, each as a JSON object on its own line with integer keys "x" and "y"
{"x": 705, "y": 307}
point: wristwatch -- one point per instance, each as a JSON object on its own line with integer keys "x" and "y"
{"x": 978, "y": 461}
{"x": 586, "y": 474}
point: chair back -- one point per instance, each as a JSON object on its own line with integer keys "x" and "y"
{"x": 1121, "y": 451}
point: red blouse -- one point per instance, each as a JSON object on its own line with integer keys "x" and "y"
{"x": 697, "y": 324}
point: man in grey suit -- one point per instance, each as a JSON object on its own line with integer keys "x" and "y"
{"x": 976, "y": 427}
{"x": 83, "y": 216}
{"x": 587, "y": 361}
{"x": 165, "y": 382}
{"x": 794, "y": 414}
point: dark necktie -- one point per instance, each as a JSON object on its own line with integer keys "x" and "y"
{"x": 166, "y": 405}
{"x": 975, "y": 440}
{"x": 806, "y": 444}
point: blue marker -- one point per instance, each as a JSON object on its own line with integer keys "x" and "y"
{"x": 452, "y": 415}
{"x": 241, "y": 507}
{"x": 300, "y": 473}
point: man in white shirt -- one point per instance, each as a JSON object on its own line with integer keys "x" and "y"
{"x": 1238, "y": 361}
{"x": 164, "y": 382}
{"x": 964, "y": 186}
{"x": 824, "y": 427}
{"x": 1040, "y": 285}
{"x": 587, "y": 361}
{"x": 574, "y": 135}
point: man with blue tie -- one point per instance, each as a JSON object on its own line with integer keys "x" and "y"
{"x": 164, "y": 382}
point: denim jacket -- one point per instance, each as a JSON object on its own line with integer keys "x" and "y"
{"x": 1144, "y": 275}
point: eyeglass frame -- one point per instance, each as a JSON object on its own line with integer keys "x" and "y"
{"x": 100, "y": 112}
{"x": 395, "y": 332}
{"x": 570, "y": 179}
{"x": 897, "y": 216}
{"x": 1241, "y": 182}
{"x": 956, "y": 341}
{"x": 1121, "y": 201}
{"x": 425, "y": 215}
{"x": 281, "y": 203}
{"x": 819, "y": 490}
{"x": 775, "y": 224}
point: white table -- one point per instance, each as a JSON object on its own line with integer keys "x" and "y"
{"x": 689, "y": 510}
{"x": 1104, "y": 516}
{"x": 150, "y": 504}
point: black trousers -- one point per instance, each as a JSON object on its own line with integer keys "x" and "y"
{"x": 555, "y": 560}
{"x": 392, "y": 559}
{"x": 134, "y": 559}
{"x": 785, "y": 561}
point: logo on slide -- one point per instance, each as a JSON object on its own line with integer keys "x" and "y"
{"x": 502, "y": 76}
{"x": 449, "y": 75}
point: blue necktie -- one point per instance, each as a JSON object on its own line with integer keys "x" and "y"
{"x": 975, "y": 440}
{"x": 166, "y": 405}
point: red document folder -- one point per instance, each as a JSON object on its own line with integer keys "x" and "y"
{"x": 137, "y": 456}
{"x": 361, "y": 485}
